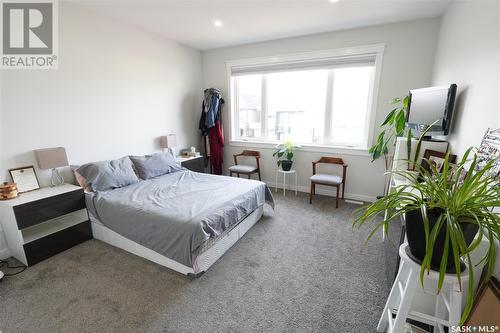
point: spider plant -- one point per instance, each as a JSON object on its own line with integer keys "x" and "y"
{"x": 458, "y": 197}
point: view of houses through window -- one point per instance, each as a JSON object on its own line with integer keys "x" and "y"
{"x": 314, "y": 106}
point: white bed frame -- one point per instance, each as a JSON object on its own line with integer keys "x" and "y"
{"x": 202, "y": 262}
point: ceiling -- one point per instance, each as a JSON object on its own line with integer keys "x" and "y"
{"x": 192, "y": 22}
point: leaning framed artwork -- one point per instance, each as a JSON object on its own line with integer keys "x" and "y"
{"x": 25, "y": 178}
{"x": 436, "y": 158}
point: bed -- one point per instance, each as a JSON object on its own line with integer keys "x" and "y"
{"x": 183, "y": 220}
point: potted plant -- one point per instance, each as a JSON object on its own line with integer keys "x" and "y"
{"x": 285, "y": 150}
{"x": 444, "y": 211}
{"x": 393, "y": 126}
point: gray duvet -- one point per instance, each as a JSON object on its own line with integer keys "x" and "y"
{"x": 176, "y": 213}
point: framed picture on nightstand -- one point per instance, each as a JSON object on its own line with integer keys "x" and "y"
{"x": 25, "y": 178}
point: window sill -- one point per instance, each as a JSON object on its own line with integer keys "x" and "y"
{"x": 357, "y": 151}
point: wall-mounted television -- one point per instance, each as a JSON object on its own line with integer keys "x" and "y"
{"x": 430, "y": 104}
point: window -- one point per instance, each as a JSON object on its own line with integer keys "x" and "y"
{"x": 324, "y": 101}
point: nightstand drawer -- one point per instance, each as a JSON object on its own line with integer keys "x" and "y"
{"x": 34, "y": 212}
{"x": 57, "y": 242}
{"x": 195, "y": 164}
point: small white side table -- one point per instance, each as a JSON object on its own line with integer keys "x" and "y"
{"x": 448, "y": 303}
{"x": 284, "y": 180}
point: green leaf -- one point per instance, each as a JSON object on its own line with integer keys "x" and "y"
{"x": 389, "y": 119}
{"x": 395, "y": 100}
{"x": 400, "y": 122}
{"x": 406, "y": 102}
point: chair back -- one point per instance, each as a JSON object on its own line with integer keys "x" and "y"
{"x": 248, "y": 153}
{"x": 330, "y": 160}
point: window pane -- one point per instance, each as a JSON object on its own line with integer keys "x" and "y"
{"x": 296, "y": 105}
{"x": 250, "y": 106}
{"x": 351, "y": 91}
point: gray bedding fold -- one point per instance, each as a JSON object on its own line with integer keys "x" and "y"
{"x": 176, "y": 213}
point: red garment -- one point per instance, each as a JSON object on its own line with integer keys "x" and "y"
{"x": 216, "y": 136}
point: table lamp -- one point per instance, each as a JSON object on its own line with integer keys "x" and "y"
{"x": 168, "y": 142}
{"x": 52, "y": 158}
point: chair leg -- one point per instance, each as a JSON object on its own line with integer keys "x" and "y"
{"x": 238, "y": 174}
{"x": 343, "y": 190}
{"x": 311, "y": 193}
{"x": 230, "y": 173}
{"x": 259, "y": 174}
{"x": 248, "y": 175}
{"x": 337, "y": 199}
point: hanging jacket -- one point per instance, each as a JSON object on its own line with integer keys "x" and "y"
{"x": 211, "y": 126}
{"x": 211, "y": 108}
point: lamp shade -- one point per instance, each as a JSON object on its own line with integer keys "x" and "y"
{"x": 51, "y": 158}
{"x": 168, "y": 141}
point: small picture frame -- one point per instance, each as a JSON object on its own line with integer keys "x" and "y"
{"x": 25, "y": 178}
{"x": 436, "y": 158}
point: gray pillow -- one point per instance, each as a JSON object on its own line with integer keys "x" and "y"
{"x": 107, "y": 175}
{"x": 155, "y": 165}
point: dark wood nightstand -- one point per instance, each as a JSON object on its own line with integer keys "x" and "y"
{"x": 42, "y": 223}
{"x": 196, "y": 164}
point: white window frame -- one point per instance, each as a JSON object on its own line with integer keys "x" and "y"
{"x": 374, "y": 49}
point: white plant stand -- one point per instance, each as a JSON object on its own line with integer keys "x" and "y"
{"x": 290, "y": 172}
{"x": 448, "y": 303}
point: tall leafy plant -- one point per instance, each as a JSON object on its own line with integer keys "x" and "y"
{"x": 458, "y": 195}
{"x": 393, "y": 126}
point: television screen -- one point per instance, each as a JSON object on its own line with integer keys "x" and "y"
{"x": 430, "y": 104}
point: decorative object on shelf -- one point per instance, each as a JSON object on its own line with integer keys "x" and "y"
{"x": 168, "y": 142}
{"x": 445, "y": 215}
{"x": 52, "y": 158}
{"x": 286, "y": 149}
{"x": 8, "y": 191}
{"x": 436, "y": 158}
{"x": 193, "y": 152}
{"x": 25, "y": 179}
{"x": 489, "y": 150}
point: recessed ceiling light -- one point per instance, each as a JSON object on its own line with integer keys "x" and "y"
{"x": 218, "y": 23}
{"x": 334, "y": 1}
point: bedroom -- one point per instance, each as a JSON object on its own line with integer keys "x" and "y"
{"x": 128, "y": 79}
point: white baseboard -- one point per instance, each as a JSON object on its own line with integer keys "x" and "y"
{"x": 322, "y": 191}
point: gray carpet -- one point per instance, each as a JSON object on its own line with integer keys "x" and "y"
{"x": 300, "y": 269}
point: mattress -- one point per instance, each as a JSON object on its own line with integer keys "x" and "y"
{"x": 181, "y": 214}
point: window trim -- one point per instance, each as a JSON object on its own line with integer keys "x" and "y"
{"x": 376, "y": 49}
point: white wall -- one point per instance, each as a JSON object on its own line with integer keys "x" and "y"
{"x": 407, "y": 63}
{"x": 468, "y": 55}
{"x": 116, "y": 90}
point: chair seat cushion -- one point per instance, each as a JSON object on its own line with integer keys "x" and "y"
{"x": 242, "y": 168}
{"x": 326, "y": 179}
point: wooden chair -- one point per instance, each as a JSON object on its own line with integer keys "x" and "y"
{"x": 326, "y": 179}
{"x": 245, "y": 169}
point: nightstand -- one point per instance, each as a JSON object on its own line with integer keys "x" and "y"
{"x": 42, "y": 223}
{"x": 195, "y": 163}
